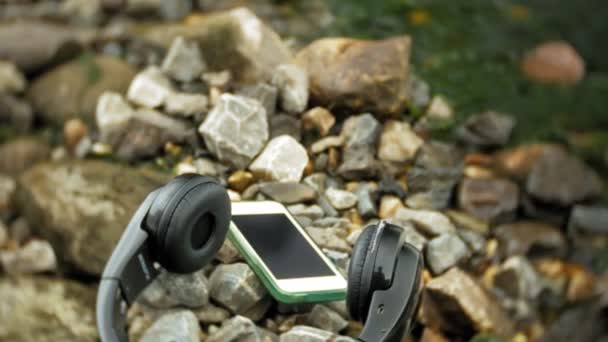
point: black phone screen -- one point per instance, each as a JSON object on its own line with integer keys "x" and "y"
{"x": 281, "y": 246}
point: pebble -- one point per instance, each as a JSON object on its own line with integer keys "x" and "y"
{"x": 172, "y": 289}
{"x": 15, "y": 112}
{"x": 389, "y": 205}
{"x": 34, "y": 257}
{"x": 445, "y": 251}
{"x": 529, "y": 237}
{"x": 74, "y": 131}
{"x": 302, "y": 333}
{"x": 236, "y": 329}
{"x": 588, "y": 219}
{"x": 489, "y": 199}
{"x": 366, "y": 200}
{"x": 325, "y": 318}
{"x": 288, "y": 192}
{"x": 8, "y": 186}
{"x": 554, "y": 62}
{"x": 285, "y": 124}
{"x": 326, "y": 143}
{"x": 518, "y": 278}
{"x": 518, "y": 162}
{"x": 316, "y": 181}
{"x": 320, "y": 119}
{"x": 264, "y": 93}
{"x": 179, "y": 325}
{"x": 211, "y": 314}
{"x": 186, "y": 105}
{"x": 283, "y": 160}
{"x": 360, "y": 133}
{"x": 150, "y": 88}
{"x": 82, "y": 12}
{"x": 439, "y": 112}
{"x": 112, "y": 117}
{"x": 340, "y": 259}
{"x": 235, "y": 130}
{"x": 465, "y": 221}
{"x": 431, "y": 188}
{"x": 240, "y": 180}
{"x": 489, "y": 129}
{"x": 430, "y": 222}
{"x": 292, "y": 83}
{"x": 183, "y": 61}
{"x": 175, "y": 10}
{"x": 398, "y": 143}
{"x": 420, "y": 92}
{"x": 11, "y": 79}
{"x": 341, "y": 199}
{"x": 312, "y": 212}
{"x": 228, "y": 254}
{"x": 236, "y": 287}
{"x": 328, "y": 238}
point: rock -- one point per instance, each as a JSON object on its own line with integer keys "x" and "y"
{"x": 419, "y": 91}
{"x": 71, "y": 90}
{"x": 150, "y": 88}
{"x": 476, "y": 241}
{"x": 561, "y": 178}
{"x": 175, "y": 10}
{"x": 288, "y": 193}
{"x": 11, "y": 79}
{"x": 19, "y": 154}
{"x": 312, "y": 212}
{"x": 68, "y": 202}
{"x": 464, "y": 221}
{"x": 360, "y": 133}
{"x": 15, "y": 112}
{"x": 430, "y": 335}
{"x": 489, "y": 129}
{"x": 518, "y": 162}
{"x": 398, "y": 143}
{"x": 589, "y": 220}
{"x": 74, "y": 131}
{"x": 432, "y": 188}
{"x": 179, "y": 325}
{"x": 228, "y": 254}
{"x": 366, "y": 200}
{"x": 341, "y": 199}
{"x": 326, "y": 143}
{"x": 186, "y": 105}
{"x": 234, "y": 40}
{"x": 302, "y": 333}
{"x": 389, "y": 205}
{"x": 445, "y": 251}
{"x": 328, "y": 238}
{"x": 342, "y": 73}
{"x": 430, "y": 222}
{"x": 530, "y": 237}
{"x": 292, "y": 83}
{"x": 235, "y": 130}
{"x": 320, "y": 119}
{"x": 8, "y": 186}
{"x": 316, "y": 181}
{"x": 264, "y": 93}
{"x": 240, "y": 180}
{"x": 554, "y": 62}
{"x": 236, "y": 329}
{"x": 46, "y": 309}
{"x": 183, "y": 61}
{"x": 20, "y": 230}
{"x": 283, "y": 160}
{"x": 284, "y": 124}
{"x": 465, "y": 306}
{"x": 518, "y": 279}
{"x": 82, "y": 12}
{"x": 340, "y": 259}
{"x": 211, "y": 314}
{"x": 33, "y": 45}
{"x": 439, "y": 113}
{"x": 325, "y": 318}
{"x": 173, "y": 289}
{"x": 112, "y": 116}
{"x": 35, "y": 257}
{"x": 489, "y": 199}
{"x": 236, "y": 287}
{"x": 439, "y": 155}
{"x": 584, "y": 322}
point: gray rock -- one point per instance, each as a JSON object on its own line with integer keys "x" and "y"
{"x": 430, "y": 222}
{"x": 183, "y": 61}
{"x": 175, "y": 10}
{"x": 561, "y": 178}
{"x": 475, "y": 241}
{"x": 341, "y": 199}
{"x": 528, "y": 237}
{"x": 488, "y": 129}
{"x": 112, "y": 116}
{"x": 366, "y": 203}
{"x": 303, "y": 333}
{"x": 445, "y": 251}
{"x": 312, "y": 212}
{"x": 284, "y": 124}
{"x": 173, "y": 326}
{"x": 211, "y": 314}
{"x": 361, "y": 133}
{"x": 8, "y": 186}
{"x": 420, "y": 92}
{"x": 235, "y": 130}
{"x": 411, "y": 234}
{"x": 35, "y": 257}
{"x": 328, "y": 238}
{"x": 489, "y": 199}
{"x": 292, "y": 82}
{"x": 186, "y": 105}
{"x": 328, "y": 209}
{"x": 398, "y": 142}
{"x": 236, "y": 287}
{"x": 288, "y": 193}
{"x": 82, "y": 12}
{"x": 283, "y": 160}
{"x": 340, "y": 259}
{"x": 68, "y": 202}
{"x": 15, "y": 112}
{"x": 518, "y": 279}
{"x": 19, "y": 154}
{"x": 237, "y": 329}
{"x": 228, "y": 254}
{"x": 431, "y": 188}
{"x": 264, "y": 93}
{"x": 150, "y": 88}
{"x": 46, "y": 309}
{"x": 589, "y": 220}
{"x": 173, "y": 289}
{"x": 316, "y": 181}
{"x": 11, "y": 79}
{"x": 325, "y": 318}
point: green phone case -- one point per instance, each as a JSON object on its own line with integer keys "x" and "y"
{"x": 284, "y": 297}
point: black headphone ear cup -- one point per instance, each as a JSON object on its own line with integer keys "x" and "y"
{"x": 189, "y": 221}
{"x": 357, "y": 296}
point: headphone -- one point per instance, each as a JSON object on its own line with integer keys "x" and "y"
{"x": 183, "y": 224}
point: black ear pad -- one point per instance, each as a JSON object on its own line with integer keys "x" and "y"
{"x": 357, "y": 293}
{"x": 188, "y": 222}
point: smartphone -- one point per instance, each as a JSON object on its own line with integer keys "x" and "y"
{"x": 291, "y": 266}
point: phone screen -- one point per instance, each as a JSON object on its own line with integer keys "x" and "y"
{"x": 281, "y": 246}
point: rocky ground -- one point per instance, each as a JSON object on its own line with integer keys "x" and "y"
{"x": 103, "y": 101}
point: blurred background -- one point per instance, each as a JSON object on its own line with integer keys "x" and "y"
{"x": 479, "y": 126}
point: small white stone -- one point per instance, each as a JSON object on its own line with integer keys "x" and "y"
{"x": 341, "y": 199}
{"x": 36, "y": 256}
{"x": 11, "y": 79}
{"x": 292, "y": 82}
{"x": 283, "y": 160}
{"x": 326, "y": 143}
{"x": 439, "y": 109}
{"x": 186, "y": 105}
{"x": 112, "y": 116}
{"x": 150, "y": 88}
{"x": 398, "y": 143}
{"x": 183, "y": 61}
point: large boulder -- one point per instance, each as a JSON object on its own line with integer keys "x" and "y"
{"x": 82, "y": 207}
{"x": 71, "y": 90}
{"x": 46, "y": 309}
{"x": 359, "y": 74}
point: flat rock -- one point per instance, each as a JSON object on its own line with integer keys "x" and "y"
{"x": 288, "y": 192}
{"x": 554, "y": 62}
{"x": 359, "y": 74}
{"x": 236, "y": 287}
{"x": 529, "y": 237}
{"x": 292, "y": 83}
{"x": 46, "y": 309}
{"x": 283, "y": 159}
{"x": 174, "y": 326}
{"x": 489, "y": 199}
{"x": 398, "y": 143}
{"x": 589, "y": 220}
{"x": 430, "y": 222}
{"x": 561, "y": 178}
{"x": 445, "y": 251}
{"x": 173, "y": 289}
{"x": 183, "y": 61}
{"x": 489, "y": 129}
{"x": 71, "y": 90}
{"x": 35, "y": 257}
{"x": 235, "y": 130}
{"x": 68, "y": 202}
{"x": 150, "y": 88}
{"x": 19, "y": 154}
{"x": 186, "y": 105}
{"x": 465, "y": 305}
